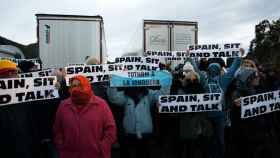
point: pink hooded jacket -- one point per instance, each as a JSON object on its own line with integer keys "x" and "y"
{"x": 85, "y": 134}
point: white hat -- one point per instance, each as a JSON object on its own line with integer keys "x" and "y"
{"x": 92, "y": 61}
{"x": 188, "y": 66}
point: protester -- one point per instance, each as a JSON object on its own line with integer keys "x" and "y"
{"x": 137, "y": 121}
{"x": 246, "y": 63}
{"x": 62, "y": 86}
{"x": 194, "y": 127}
{"x": 167, "y": 125}
{"x": 218, "y": 61}
{"x": 250, "y": 135}
{"x": 15, "y": 121}
{"x": 99, "y": 88}
{"x": 8, "y": 69}
{"x": 84, "y": 125}
{"x": 217, "y": 82}
{"x": 203, "y": 64}
{"x": 276, "y": 86}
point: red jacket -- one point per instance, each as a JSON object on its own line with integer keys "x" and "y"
{"x": 85, "y": 134}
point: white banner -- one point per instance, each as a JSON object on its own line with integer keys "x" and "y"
{"x": 43, "y": 73}
{"x": 169, "y": 55}
{"x": 231, "y": 50}
{"x": 100, "y": 73}
{"x": 228, "y": 50}
{"x": 137, "y": 59}
{"x": 190, "y": 103}
{"x": 18, "y": 90}
{"x": 259, "y": 104}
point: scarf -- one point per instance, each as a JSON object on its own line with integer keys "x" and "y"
{"x": 81, "y": 95}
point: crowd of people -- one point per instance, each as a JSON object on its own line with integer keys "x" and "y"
{"x": 94, "y": 120}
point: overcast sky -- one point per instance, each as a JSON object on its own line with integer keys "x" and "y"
{"x": 218, "y": 20}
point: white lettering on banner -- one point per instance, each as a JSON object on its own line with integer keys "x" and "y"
{"x": 139, "y": 83}
{"x": 190, "y": 103}
{"x": 18, "y": 90}
{"x": 101, "y": 73}
{"x": 134, "y": 78}
{"x": 140, "y": 74}
{"x": 260, "y": 104}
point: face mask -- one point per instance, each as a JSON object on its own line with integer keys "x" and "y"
{"x": 79, "y": 96}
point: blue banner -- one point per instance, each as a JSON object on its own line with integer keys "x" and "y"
{"x": 140, "y": 79}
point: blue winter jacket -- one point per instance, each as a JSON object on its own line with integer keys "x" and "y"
{"x": 215, "y": 82}
{"x": 137, "y": 118}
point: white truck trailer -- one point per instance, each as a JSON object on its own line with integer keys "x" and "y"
{"x": 165, "y": 35}
{"x": 70, "y": 39}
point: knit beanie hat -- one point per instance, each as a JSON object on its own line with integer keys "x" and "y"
{"x": 92, "y": 61}
{"x": 25, "y": 66}
{"x": 244, "y": 76}
{"x": 214, "y": 69}
{"x": 188, "y": 66}
{"x": 7, "y": 65}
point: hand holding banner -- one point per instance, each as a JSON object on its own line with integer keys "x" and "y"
{"x": 259, "y": 104}
{"x": 190, "y": 103}
{"x": 18, "y": 90}
{"x": 143, "y": 78}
